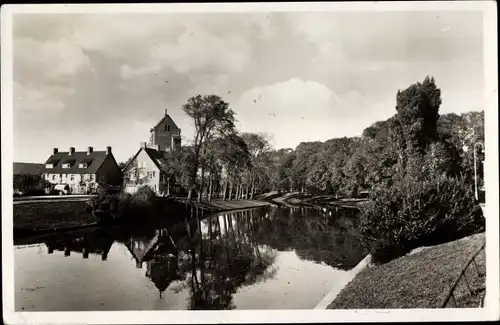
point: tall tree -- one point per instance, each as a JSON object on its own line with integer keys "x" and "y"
{"x": 212, "y": 117}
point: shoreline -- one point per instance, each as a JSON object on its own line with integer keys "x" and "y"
{"x": 45, "y": 217}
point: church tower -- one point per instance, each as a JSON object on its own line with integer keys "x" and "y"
{"x": 165, "y": 136}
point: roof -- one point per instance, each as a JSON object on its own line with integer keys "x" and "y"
{"x": 158, "y": 157}
{"x": 163, "y": 119}
{"x": 96, "y": 159}
{"x": 27, "y": 169}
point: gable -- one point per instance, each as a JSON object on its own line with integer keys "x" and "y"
{"x": 141, "y": 157}
{"x": 166, "y": 120}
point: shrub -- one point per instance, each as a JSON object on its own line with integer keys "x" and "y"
{"x": 415, "y": 212}
{"x": 144, "y": 197}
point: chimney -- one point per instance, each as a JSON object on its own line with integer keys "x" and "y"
{"x": 143, "y": 145}
{"x": 108, "y": 150}
{"x": 166, "y": 112}
{"x": 55, "y": 151}
{"x": 90, "y": 150}
{"x": 71, "y": 150}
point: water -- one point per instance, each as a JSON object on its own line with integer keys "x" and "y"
{"x": 266, "y": 258}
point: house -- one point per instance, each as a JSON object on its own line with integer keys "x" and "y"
{"x": 27, "y": 177}
{"x": 147, "y": 166}
{"x": 81, "y": 171}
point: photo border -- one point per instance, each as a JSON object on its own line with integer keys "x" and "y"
{"x": 492, "y": 299}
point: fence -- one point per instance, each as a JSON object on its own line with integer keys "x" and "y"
{"x": 451, "y": 294}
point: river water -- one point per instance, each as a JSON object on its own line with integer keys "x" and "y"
{"x": 265, "y": 258}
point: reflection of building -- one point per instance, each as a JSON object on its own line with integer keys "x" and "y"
{"x": 148, "y": 165}
{"x": 160, "y": 256}
{"x": 85, "y": 245}
{"x": 82, "y": 170}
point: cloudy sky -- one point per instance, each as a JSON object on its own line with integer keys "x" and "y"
{"x": 98, "y": 80}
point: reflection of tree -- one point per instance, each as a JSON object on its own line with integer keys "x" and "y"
{"x": 223, "y": 259}
{"x": 316, "y": 235}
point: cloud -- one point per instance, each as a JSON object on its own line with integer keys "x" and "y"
{"x": 294, "y": 110}
{"x": 45, "y": 99}
{"x": 49, "y": 61}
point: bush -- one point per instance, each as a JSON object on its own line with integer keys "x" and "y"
{"x": 415, "y": 212}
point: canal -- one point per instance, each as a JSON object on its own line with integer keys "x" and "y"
{"x": 265, "y": 258}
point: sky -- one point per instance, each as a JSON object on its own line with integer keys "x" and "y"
{"x": 105, "y": 79}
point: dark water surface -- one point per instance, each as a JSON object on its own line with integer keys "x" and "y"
{"x": 266, "y": 258}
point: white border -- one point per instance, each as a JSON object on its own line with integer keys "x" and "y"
{"x": 492, "y": 302}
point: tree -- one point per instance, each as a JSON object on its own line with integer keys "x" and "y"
{"x": 258, "y": 147}
{"x": 212, "y": 117}
{"x": 415, "y": 125}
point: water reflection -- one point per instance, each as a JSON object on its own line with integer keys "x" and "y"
{"x": 214, "y": 258}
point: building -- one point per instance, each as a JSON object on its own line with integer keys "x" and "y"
{"x": 147, "y": 166}
{"x": 27, "y": 177}
{"x": 82, "y": 171}
{"x": 165, "y": 136}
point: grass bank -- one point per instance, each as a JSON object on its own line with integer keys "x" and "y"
{"x": 421, "y": 279}
{"x": 30, "y": 218}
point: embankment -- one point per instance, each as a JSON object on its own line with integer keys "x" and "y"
{"x": 421, "y": 279}
{"x": 219, "y": 205}
{"x": 35, "y": 217}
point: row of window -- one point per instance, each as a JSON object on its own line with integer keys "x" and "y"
{"x": 71, "y": 177}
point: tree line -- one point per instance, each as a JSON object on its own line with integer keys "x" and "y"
{"x": 222, "y": 162}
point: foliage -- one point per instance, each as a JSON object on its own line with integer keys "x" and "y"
{"x": 418, "y": 211}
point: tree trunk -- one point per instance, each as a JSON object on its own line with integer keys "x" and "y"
{"x": 230, "y": 190}
{"x": 225, "y": 190}
{"x": 210, "y": 188}
{"x": 168, "y": 186}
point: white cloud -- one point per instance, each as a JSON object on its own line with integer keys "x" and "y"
{"x": 44, "y": 99}
{"x": 51, "y": 60}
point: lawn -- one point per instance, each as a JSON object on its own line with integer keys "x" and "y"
{"x": 419, "y": 280}
{"x": 51, "y": 215}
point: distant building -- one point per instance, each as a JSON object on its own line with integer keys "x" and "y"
{"x": 27, "y": 177}
{"x": 82, "y": 171}
{"x": 165, "y": 136}
{"x": 147, "y": 166}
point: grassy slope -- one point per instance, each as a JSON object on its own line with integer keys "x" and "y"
{"x": 50, "y": 215}
{"x": 419, "y": 280}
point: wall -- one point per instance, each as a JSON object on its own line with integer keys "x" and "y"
{"x": 74, "y": 183}
{"x": 136, "y": 173}
{"x": 109, "y": 172}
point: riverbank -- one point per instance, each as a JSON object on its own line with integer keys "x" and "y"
{"x": 219, "y": 205}
{"x": 31, "y": 218}
{"x": 421, "y": 279}
{"x": 319, "y": 201}
{"x": 35, "y": 217}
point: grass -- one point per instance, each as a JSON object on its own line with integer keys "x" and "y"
{"x": 419, "y": 280}
{"x": 51, "y": 215}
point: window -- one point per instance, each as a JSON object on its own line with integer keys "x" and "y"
{"x": 83, "y": 165}
{"x": 153, "y": 174}
{"x": 167, "y": 127}
{"x": 49, "y": 166}
{"x": 66, "y": 165}
{"x": 92, "y": 177}
{"x": 72, "y": 177}
{"x": 53, "y": 177}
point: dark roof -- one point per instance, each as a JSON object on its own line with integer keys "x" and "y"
{"x": 60, "y": 158}
{"x": 27, "y": 169}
